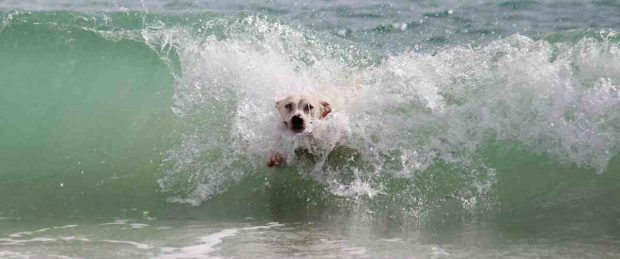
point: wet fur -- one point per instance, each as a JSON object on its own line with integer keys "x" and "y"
{"x": 292, "y": 110}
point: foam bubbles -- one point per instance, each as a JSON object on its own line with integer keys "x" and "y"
{"x": 400, "y": 116}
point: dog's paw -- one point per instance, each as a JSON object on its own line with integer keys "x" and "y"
{"x": 276, "y": 160}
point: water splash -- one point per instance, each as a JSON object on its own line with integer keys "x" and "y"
{"x": 398, "y": 116}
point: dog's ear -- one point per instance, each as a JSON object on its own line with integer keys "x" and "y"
{"x": 326, "y": 108}
{"x": 278, "y": 104}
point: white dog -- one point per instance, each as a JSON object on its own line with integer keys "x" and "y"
{"x": 298, "y": 113}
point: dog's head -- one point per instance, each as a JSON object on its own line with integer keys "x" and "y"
{"x": 300, "y": 111}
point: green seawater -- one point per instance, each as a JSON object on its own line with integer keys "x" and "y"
{"x": 82, "y": 117}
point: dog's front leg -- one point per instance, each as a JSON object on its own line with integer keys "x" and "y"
{"x": 276, "y": 155}
{"x": 276, "y": 159}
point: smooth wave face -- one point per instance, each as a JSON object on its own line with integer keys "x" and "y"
{"x": 162, "y": 118}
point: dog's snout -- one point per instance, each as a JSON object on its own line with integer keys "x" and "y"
{"x": 297, "y": 123}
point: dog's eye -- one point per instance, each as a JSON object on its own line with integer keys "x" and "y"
{"x": 308, "y": 107}
{"x": 288, "y": 106}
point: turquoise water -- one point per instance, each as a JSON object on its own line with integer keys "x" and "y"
{"x": 460, "y": 129}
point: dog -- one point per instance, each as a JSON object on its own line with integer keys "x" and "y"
{"x": 298, "y": 113}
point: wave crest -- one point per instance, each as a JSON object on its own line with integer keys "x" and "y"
{"x": 395, "y": 115}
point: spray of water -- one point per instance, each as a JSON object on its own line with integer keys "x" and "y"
{"x": 396, "y": 115}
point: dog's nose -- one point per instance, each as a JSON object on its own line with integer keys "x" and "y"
{"x": 297, "y": 123}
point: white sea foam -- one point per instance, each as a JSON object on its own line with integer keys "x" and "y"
{"x": 401, "y": 115}
{"x": 65, "y": 226}
{"x": 207, "y": 244}
{"x": 29, "y": 233}
{"x": 132, "y": 243}
{"x": 17, "y": 255}
{"x": 139, "y": 225}
{"x": 8, "y": 241}
{"x": 10, "y": 254}
{"x": 357, "y": 252}
{"x": 116, "y": 222}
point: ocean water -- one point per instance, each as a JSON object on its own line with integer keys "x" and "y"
{"x": 460, "y": 129}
